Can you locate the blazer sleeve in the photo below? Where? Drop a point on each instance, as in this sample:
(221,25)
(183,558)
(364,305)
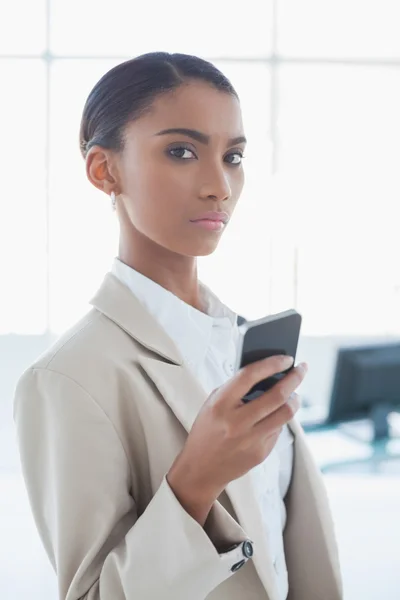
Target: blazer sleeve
(78,481)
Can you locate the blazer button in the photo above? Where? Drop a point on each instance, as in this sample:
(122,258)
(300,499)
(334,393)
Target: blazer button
(247,549)
(237,566)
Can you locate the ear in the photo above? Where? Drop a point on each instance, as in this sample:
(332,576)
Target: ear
(101,170)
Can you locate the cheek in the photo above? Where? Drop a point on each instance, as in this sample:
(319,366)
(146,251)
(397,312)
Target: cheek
(158,194)
(239,182)
(236,183)
(154,171)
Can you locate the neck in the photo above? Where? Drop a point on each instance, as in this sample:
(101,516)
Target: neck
(174,272)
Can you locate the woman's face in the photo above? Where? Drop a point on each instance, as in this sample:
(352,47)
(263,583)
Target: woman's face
(168,179)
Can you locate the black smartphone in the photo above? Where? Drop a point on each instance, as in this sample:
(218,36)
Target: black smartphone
(268,336)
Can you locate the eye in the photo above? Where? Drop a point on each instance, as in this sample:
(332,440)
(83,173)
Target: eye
(182,153)
(234,158)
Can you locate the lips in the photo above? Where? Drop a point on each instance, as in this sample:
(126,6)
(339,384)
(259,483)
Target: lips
(220,216)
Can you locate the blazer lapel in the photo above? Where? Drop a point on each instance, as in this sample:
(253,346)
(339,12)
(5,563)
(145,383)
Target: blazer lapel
(185,396)
(117,302)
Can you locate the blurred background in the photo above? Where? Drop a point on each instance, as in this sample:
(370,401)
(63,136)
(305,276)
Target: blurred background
(316,228)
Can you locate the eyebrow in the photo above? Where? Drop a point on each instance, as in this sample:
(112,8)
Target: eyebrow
(200,137)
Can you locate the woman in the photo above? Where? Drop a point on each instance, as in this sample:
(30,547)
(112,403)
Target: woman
(148,477)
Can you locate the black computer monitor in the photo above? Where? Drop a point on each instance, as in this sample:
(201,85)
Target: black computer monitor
(366,386)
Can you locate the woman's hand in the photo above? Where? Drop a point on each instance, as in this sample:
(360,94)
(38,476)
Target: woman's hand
(229,437)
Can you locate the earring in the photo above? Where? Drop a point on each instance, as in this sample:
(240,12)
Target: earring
(113,200)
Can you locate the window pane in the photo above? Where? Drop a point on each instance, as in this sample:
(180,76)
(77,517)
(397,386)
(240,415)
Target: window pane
(339,132)
(341,117)
(22,199)
(22,26)
(239,269)
(82,225)
(207,28)
(339,28)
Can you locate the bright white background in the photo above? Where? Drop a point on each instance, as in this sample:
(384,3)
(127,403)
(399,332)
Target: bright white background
(316,228)
(317,224)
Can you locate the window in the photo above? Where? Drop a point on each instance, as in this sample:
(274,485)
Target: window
(316,225)
(23,201)
(207,28)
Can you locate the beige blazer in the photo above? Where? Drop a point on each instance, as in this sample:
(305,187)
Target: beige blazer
(100,418)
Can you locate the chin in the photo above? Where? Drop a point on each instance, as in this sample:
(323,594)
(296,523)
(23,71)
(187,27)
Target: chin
(203,248)
(196,249)
(205,252)
(189,244)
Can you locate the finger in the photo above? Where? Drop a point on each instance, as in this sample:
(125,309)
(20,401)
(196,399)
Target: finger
(291,382)
(239,385)
(275,421)
(271,401)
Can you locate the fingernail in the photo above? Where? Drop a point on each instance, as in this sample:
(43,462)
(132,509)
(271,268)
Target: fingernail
(303,367)
(288,361)
(294,401)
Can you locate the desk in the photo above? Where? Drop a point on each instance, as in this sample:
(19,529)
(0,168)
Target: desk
(349,447)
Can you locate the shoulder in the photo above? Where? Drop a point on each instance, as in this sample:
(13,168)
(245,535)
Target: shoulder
(91,354)
(93,337)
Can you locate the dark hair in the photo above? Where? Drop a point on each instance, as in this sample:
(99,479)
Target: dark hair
(128,90)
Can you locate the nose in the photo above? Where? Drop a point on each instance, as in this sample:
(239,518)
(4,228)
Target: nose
(216,185)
